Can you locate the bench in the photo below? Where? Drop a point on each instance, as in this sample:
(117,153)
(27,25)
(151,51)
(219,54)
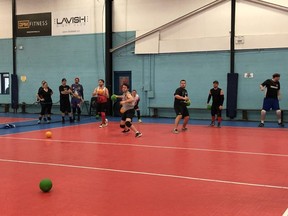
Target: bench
(244,112)
(156,108)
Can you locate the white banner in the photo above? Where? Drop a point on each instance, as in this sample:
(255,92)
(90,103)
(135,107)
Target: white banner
(72,22)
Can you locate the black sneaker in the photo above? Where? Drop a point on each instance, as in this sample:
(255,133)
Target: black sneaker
(212,124)
(219,125)
(125,131)
(280,124)
(138,134)
(261,125)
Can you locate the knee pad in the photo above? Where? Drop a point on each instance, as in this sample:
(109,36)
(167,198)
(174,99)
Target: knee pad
(122,126)
(128,124)
(263,111)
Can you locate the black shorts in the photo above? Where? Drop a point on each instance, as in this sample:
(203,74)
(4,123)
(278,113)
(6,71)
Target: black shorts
(128,114)
(181,110)
(46,108)
(65,107)
(215,110)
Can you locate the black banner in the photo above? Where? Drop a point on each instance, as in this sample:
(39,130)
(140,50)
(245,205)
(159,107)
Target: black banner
(29,25)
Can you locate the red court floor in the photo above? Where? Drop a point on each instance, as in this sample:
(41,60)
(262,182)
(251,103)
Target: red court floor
(231,171)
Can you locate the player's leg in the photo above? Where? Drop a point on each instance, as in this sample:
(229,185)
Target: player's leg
(186,118)
(78,110)
(122,123)
(62,109)
(74,105)
(102,110)
(213,115)
(178,111)
(138,115)
(275,106)
(48,110)
(266,107)
(42,112)
(219,117)
(128,122)
(68,108)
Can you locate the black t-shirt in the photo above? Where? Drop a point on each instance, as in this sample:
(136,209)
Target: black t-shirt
(46,95)
(181,92)
(64,97)
(272,88)
(217,98)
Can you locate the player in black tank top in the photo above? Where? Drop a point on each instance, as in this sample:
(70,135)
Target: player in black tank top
(217,96)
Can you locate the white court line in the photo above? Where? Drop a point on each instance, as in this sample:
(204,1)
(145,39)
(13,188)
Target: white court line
(285,213)
(151,146)
(147,173)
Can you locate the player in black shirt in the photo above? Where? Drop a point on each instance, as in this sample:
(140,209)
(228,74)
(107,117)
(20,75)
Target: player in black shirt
(217,96)
(44,96)
(180,99)
(65,106)
(271,100)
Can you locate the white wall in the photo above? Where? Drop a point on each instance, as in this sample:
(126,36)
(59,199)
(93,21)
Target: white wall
(5,19)
(259,26)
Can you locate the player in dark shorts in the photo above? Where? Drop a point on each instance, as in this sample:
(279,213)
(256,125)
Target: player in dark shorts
(44,96)
(127,111)
(271,100)
(65,106)
(102,95)
(180,107)
(77,98)
(217,96)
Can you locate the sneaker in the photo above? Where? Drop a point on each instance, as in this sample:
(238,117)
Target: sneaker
(280,124)
(48,121)
(125,131)
(184,129)
(212,124)
(261,125)
(175,131)
(139,120)
(45,119)
(219,125)
(39,122)
(138,134)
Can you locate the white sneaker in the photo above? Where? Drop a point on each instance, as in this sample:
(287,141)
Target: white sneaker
(139,120)
(104,125)
(175,131)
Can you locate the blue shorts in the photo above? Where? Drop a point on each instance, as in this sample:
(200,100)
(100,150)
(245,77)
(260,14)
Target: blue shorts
(270,103)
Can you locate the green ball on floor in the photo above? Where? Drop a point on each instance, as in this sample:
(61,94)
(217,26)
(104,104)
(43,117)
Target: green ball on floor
(45,185)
